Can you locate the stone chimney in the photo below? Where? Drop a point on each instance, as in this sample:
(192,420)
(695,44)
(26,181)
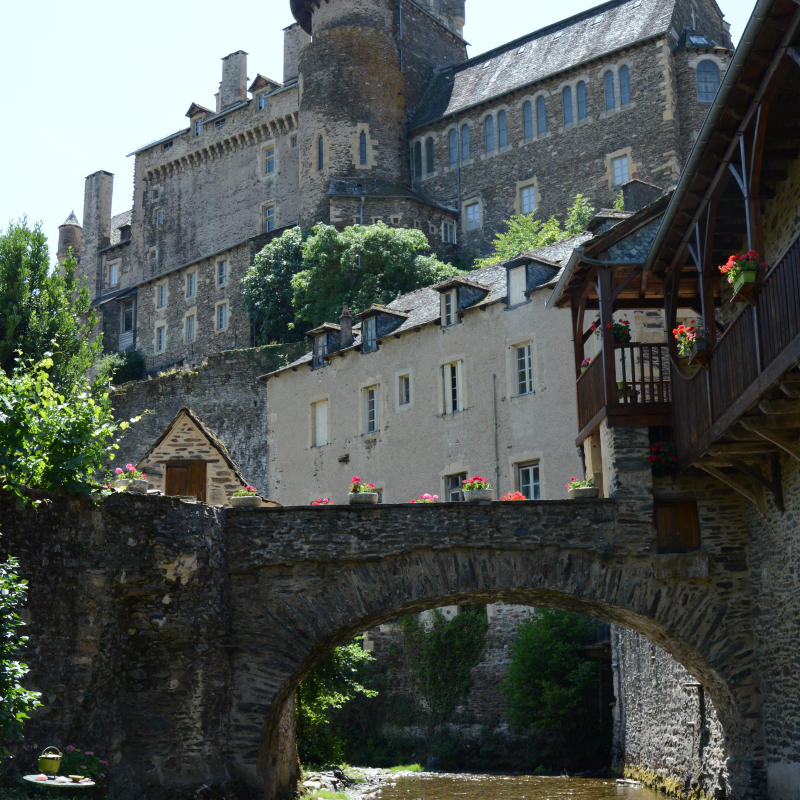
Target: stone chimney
(345,328)
(96,227)
(233,87)
(294,40)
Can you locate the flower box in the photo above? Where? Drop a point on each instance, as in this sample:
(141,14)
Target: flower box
(362,498)
(584,493)
(246,501)
(121,484)
(699,352)
(478,495)
(745,276)
(138,486)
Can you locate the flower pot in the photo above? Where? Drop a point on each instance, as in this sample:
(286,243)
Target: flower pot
(138,486)
(583,369)
(686,368)
(362,498)
(121,484)
(584,493)
(477,495)
(699,352)
(246,501)
(745,276)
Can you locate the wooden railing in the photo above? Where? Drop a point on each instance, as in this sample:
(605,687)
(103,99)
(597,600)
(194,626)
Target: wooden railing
(591,392)
(756,344)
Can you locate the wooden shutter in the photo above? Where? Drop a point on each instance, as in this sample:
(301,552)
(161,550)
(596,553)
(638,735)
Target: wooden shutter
(459,404)
(516,292)
(321,423)
(186,479)
(678,525)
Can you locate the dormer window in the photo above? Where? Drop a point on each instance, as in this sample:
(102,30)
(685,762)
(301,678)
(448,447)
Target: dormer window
(369,334)
(449,308)
(320,349)
(198,127)
(516,286)
(167,145)
(262,102)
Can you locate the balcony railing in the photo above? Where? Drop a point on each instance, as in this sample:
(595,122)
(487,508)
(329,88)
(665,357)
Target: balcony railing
(760,344)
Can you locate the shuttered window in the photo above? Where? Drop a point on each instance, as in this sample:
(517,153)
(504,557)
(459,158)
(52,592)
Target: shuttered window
(321,423)
(517,286)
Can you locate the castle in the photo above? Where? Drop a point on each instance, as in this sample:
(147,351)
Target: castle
(383,117)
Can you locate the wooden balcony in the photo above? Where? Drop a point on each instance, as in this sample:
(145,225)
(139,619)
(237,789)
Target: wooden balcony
(633,388)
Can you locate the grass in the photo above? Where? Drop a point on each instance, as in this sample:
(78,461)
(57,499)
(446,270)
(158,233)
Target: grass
(407,768)
(324,794)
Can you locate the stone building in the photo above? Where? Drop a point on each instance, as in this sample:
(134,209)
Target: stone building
(382,117)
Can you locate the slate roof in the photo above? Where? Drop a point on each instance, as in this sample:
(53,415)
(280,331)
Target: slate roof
(380,187)
(71,220)
(548,51)
(118,221)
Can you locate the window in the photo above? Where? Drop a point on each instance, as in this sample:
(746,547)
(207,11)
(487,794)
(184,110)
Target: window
(452,487)
(269,162)
(517,284)
(502,131)
(190,328)
(222,273)
(222,316)
(262,102)
(159,218)
(609,84)
(429,154)
(294,141)
(528,481)
(320,349)
(161,338)
(707,81)
(583,107)
(453,146)
(320,423)
(620,169)
(219,123)
(473,216)
(489,125)
(161,295)
(320,154)
(541,117)
(524,365)
(198,127)
(156,194)
(449,232)
(127,316)
(624,86)
(269,219)
(167,145)
(404,390)
(465,143)
(449,307)
(371,409)
(566,100)
(191,284)
(453,393)
(113,275)
(418,160)
(677,525)
(369,334)
(527,196)
(362,148)
(527,121)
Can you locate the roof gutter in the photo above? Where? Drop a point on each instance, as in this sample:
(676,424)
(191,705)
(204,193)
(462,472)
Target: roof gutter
(740,56)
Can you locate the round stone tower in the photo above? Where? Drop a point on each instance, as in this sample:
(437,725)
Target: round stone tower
(69,235)
(352,122)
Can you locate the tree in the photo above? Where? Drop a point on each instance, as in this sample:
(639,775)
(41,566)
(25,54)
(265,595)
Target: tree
(41,311)
(551,687)
(336,680)
(578,216)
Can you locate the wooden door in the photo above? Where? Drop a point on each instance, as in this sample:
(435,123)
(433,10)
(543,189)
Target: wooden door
(186,479)
(678,525)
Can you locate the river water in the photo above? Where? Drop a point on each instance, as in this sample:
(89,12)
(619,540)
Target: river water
(505,787)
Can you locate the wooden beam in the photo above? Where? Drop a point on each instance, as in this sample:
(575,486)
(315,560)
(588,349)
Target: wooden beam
(765,433)
(779,407)
(794,54)
(629,278)
(789,390)
(747,447)
(606,319)
(735,485)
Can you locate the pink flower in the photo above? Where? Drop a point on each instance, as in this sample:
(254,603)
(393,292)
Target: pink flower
(413,501)
(144,477)
(83,766)
(130,468)
(436,497)
(356,479)
(104,763)
(102,775)
(88,753)
(118,471)
(250,488)
(69,748)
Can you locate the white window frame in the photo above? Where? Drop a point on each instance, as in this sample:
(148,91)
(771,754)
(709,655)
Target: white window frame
(448,232)
(269,161)
(161,338)
(369,334)
(159,218)
(221,309)
(527,193)
(161,295)
(614,163)
(371,410)
(449,307)
(191,284)
(190,327)
(529,484)
(517,285)
(268,217)
(198,127)
(262,101)
(453,386)
(222,272)
(450,483)
(472,213)
(113,274)
(404,390)
(124,308)
(523,368)
(319,416)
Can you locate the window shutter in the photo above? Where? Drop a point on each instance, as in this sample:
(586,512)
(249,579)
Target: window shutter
(518,285)
(321,423)
(459,388)
(530,368)
(443,308)
(448,400)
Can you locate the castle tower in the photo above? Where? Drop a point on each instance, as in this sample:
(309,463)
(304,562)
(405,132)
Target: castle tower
(69,235)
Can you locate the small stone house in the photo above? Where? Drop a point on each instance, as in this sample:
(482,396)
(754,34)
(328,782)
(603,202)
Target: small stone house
(188,460)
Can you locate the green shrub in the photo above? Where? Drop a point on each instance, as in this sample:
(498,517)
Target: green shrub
(130,367)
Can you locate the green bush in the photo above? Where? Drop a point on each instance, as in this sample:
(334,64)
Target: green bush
(130,366)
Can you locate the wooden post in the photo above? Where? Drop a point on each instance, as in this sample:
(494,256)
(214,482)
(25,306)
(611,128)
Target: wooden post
(756,232)
(606,319)
(578,313)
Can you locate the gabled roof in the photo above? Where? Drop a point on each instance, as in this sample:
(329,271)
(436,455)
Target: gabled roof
(324,328)
(548,51)
(71,220)
(196,108)
(377,308)
(381,187)
(261,82)
(207,433)
(117,222)
(457,280)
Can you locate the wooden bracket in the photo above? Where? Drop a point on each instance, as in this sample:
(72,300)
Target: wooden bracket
(628,279)
(772,485)
(756,498)
(765,433)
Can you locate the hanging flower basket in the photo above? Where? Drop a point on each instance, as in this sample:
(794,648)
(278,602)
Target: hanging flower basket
(743,271)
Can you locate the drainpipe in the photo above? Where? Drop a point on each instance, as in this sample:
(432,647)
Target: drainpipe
(361,222)
(458,165)
(496,446)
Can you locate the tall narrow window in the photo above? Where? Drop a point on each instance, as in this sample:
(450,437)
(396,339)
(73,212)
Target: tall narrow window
(608,79)
(624,86)
(362,149)
(370,334)
(465,143)
(113,275)
(127,316)
(404,390)
(448,232)
(161,339)
(191,284)
(371,410)
(473,211)
(159,218)
(222,273)
(541,117)
(527,120)
(222,316)
(527,198)
(418,159)
(162,295)
(449,307)
(583,106)
(320,154)
(429,154)
(528,481)
(198,127)
(262,102)
(453,393)
(489,125)
(453,486)
(566,100)
(190,328)
(502,130)
(321,423)
(707,81)
(269,219)
(620,170)
(517,285)
(269,162)
(320,350)
(453,146)
(524,369)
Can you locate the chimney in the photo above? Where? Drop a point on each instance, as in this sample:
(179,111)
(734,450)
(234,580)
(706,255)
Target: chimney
(233,87)
(294,40)
(96,227)
(345,328)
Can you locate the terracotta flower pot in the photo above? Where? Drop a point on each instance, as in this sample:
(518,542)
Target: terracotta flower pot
(476,495)
(246,501)
(584,493)
(362,498)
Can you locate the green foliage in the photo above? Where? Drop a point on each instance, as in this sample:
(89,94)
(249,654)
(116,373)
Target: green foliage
(125,367)
(336,680)
(442,654)
(579,214)
(619,202)
(83,762)
(549,686)
(15,701)
(52,440)
(407,768)
(41,310)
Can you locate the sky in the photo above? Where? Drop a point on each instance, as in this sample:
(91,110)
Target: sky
(87,82)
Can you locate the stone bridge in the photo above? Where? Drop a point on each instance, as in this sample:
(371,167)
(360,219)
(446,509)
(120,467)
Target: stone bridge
(172,635)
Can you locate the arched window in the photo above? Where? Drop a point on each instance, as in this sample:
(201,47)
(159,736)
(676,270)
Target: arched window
(320,153)
(541,117)
(609,82)
(566,99)
(489,125)
(624,86)
(453,146)
(362,146)
(527,120)
(465,143)
(429,154)
(502,131)
(707,81)
(583,106)
(418,159)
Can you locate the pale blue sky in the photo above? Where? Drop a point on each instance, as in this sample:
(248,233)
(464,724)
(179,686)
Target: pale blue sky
(87,82)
